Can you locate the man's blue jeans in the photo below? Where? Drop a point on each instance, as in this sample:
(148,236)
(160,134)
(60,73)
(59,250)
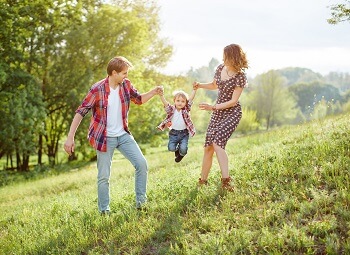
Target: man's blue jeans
(178,140)
(131,151)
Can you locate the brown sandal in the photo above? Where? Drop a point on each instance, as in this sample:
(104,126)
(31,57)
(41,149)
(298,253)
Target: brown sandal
(226,184)
(202,182)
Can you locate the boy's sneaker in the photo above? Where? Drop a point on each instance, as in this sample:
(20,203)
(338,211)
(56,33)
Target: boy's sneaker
(179,158)
(177,153)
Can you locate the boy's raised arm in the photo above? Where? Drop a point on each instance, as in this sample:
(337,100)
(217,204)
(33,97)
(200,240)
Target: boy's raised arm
(165,103)
(193,94)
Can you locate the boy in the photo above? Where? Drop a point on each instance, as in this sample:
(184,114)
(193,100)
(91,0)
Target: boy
(179,122)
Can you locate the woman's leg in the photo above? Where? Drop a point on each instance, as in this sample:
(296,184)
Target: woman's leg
(207,161)
(222,159)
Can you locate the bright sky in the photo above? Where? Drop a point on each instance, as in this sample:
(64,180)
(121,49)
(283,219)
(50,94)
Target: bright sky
(274,33)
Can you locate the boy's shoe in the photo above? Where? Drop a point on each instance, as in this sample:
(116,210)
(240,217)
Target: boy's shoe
(179,158)
(177,153)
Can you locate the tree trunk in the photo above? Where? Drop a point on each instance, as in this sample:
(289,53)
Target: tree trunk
(25,163)
(40,149)
(267,122)
(18,159)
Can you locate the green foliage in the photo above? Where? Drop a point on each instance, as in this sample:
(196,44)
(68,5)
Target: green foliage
(340,12)
(65,46)
(271,99)
(298,75)
(346,107)
(339,80)
(308,95)
(291,197)
(23,111)
(248,122)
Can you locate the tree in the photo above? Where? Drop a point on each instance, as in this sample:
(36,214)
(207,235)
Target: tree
(309,94)
(62,47)
(340,13)
(339,80)
(22,107)
(272,100)
(298,74)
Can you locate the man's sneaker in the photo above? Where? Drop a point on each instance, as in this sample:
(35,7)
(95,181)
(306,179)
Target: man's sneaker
(105,213)
(179,158)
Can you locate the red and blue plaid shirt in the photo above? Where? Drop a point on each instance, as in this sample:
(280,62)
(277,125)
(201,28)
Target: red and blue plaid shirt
(97,101)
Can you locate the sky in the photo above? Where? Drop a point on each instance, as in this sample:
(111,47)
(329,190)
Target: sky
(274,34)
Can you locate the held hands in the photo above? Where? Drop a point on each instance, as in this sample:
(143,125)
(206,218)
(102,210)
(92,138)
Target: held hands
(160,90)
(195,85)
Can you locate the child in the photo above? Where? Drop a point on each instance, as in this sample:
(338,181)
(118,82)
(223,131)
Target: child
(179,122)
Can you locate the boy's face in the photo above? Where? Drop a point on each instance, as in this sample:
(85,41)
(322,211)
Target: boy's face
(180,102)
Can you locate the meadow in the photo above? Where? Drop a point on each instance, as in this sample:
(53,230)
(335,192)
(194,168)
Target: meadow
(291,197)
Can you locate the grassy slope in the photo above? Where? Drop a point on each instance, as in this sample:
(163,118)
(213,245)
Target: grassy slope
(292,197)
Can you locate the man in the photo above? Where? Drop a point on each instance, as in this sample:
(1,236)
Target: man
(109,100)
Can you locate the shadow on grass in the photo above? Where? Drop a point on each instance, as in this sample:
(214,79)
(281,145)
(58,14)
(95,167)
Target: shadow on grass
(171,235)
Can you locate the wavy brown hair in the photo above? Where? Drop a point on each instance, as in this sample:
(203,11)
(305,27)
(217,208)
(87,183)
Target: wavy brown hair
(235,57)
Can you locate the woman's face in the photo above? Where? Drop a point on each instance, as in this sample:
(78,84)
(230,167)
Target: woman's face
(225,60)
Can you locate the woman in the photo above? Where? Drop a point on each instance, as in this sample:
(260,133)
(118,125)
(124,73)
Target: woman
(230,80)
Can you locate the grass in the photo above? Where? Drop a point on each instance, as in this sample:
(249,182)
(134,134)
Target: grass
(292,197)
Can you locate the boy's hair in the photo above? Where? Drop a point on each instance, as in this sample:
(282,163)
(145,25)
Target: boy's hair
(180,93)
(118,64)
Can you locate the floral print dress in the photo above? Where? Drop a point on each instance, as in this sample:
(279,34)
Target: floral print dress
(224,122)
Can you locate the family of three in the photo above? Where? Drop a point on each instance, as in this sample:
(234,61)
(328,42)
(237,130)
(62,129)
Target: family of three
(109,102)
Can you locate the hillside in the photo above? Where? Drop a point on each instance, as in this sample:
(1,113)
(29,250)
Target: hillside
(292,197)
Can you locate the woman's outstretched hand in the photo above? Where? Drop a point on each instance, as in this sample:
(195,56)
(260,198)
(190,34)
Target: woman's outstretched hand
(205,106)
(195,85)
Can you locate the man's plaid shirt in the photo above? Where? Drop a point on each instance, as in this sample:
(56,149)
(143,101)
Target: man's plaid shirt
(97,101)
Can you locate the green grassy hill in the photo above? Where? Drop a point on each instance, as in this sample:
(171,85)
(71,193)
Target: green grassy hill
(291,197)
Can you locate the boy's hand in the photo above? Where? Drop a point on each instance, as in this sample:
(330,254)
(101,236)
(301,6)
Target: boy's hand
(168,125)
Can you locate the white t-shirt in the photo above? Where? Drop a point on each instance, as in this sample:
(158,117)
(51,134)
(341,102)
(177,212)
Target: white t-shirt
(114,114)
(177,121)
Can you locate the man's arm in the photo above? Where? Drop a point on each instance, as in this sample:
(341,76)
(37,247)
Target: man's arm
(148,95)
(69,144)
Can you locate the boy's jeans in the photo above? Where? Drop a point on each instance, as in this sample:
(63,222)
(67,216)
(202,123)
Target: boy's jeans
(131,151)
(178,140)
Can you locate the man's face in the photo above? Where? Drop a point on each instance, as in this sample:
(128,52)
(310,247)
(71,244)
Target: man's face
(119,77)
